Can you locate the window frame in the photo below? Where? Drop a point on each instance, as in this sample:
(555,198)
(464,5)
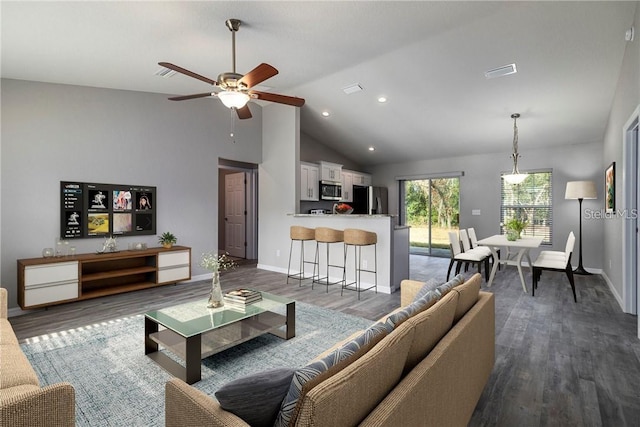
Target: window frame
(542,223)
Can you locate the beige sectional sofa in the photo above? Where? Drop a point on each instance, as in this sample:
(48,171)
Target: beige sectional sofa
(23,403)
(429,370)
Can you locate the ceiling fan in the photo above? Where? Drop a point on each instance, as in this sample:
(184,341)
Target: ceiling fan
(236,88)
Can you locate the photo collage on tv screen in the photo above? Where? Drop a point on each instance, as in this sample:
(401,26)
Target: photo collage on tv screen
(94,210)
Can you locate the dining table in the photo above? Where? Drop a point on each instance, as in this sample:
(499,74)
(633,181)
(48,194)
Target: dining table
(515,251)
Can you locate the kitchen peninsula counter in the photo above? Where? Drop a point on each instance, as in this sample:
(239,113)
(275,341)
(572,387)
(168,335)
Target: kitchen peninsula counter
(392,248)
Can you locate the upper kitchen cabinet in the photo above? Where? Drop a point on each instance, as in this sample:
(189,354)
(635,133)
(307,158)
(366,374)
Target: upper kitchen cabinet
(347,186)
(362,179)
(309,182)
(330,172)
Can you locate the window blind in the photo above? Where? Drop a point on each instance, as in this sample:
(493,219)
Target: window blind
(532,200)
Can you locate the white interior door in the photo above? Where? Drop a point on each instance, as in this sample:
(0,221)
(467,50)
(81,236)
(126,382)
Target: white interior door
(235,215)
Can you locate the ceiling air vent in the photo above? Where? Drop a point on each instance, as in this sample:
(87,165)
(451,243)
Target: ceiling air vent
(501,71)
(165,72)
(353,88)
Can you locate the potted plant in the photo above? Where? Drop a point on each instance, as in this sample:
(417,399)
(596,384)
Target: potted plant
(514,228)
(167,239)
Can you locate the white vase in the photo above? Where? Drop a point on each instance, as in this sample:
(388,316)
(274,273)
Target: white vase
(215,297)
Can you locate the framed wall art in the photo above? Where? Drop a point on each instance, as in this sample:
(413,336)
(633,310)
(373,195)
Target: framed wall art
(610,188)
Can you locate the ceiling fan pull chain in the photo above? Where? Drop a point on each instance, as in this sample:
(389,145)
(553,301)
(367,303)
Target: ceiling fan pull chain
(232,134)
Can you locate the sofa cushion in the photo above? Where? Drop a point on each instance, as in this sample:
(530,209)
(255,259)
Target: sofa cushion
(346,398)
(7,336)
(430,285)
(15,367)
(468,295)
(427,300)
(430,326)
(256,398)
(306,378)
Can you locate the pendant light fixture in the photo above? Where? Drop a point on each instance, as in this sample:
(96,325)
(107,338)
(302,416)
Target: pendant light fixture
(515,177)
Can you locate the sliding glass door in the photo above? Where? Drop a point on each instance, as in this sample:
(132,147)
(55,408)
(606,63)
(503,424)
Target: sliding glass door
(432,208)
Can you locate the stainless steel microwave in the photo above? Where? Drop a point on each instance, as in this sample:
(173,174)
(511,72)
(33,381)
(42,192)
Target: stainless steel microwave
(330,190)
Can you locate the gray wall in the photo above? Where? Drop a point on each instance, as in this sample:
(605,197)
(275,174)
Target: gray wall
(52,133)
(626,100)
(313,151)
(480,189)
(279,184)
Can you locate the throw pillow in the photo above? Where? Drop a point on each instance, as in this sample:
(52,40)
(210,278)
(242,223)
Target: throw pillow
(430,285)
(256,398)
(446,287)
(306,378)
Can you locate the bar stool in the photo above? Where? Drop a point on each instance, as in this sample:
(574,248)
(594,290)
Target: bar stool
(302,235)
(328,236)
(358,239)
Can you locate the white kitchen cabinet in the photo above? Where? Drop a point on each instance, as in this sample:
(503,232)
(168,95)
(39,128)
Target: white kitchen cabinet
(330,172)
(362,179)
(347,186)
(309,182)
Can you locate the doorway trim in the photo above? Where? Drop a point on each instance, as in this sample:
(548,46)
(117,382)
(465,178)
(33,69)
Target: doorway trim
(630,294)
(251,202)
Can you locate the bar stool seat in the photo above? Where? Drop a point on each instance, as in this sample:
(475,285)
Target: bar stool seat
(301,234)
(327,236)
(358,239)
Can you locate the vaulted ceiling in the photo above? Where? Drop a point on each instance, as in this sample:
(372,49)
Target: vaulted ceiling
(427,58)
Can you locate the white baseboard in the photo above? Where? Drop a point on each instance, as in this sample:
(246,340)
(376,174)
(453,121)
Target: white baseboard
(613,290)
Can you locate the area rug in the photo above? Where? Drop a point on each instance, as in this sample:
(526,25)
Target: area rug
(117,385)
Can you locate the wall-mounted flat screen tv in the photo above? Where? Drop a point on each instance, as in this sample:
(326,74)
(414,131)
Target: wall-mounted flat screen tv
(100,210)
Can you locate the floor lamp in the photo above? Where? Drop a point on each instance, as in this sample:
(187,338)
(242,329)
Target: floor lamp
(580,190)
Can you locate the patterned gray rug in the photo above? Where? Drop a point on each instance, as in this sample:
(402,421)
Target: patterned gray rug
(117,385)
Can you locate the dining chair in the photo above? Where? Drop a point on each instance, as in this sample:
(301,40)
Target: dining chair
(555,261)
(472,256)
(473,238)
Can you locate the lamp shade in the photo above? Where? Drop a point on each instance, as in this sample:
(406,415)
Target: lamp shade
(581,190)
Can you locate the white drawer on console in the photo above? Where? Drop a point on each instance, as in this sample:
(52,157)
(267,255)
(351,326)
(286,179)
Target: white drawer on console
(45,294)
(170,259)
(173,274)
(50,273)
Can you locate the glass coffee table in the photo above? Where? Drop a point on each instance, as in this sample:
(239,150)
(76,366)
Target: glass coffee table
(193,332)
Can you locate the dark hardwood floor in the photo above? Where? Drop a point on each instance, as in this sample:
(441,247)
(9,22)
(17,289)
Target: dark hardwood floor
(558,363)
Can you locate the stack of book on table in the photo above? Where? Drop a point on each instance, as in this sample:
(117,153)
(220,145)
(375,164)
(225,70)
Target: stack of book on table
(239,298)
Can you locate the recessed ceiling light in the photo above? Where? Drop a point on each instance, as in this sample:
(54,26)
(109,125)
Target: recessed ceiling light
(325,114)
(382,99)
(372,148)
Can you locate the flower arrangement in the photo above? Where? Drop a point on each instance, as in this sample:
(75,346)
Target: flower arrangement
(216,263)
(514,227)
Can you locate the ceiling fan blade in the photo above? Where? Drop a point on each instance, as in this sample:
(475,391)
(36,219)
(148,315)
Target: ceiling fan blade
(185,97)
(187,72)
(259,74)
(244,112)
(280,99)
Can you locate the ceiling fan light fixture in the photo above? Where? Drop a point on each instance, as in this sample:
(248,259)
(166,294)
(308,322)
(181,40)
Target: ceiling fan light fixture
(233,99)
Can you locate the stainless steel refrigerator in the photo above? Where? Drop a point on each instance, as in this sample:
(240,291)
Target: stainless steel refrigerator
(370,200)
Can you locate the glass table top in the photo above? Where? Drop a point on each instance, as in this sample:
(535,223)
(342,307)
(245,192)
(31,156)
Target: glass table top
(194,317)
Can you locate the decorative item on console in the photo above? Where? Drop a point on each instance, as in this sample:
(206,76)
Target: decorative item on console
(109,246)
(216,263)
(167,239)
